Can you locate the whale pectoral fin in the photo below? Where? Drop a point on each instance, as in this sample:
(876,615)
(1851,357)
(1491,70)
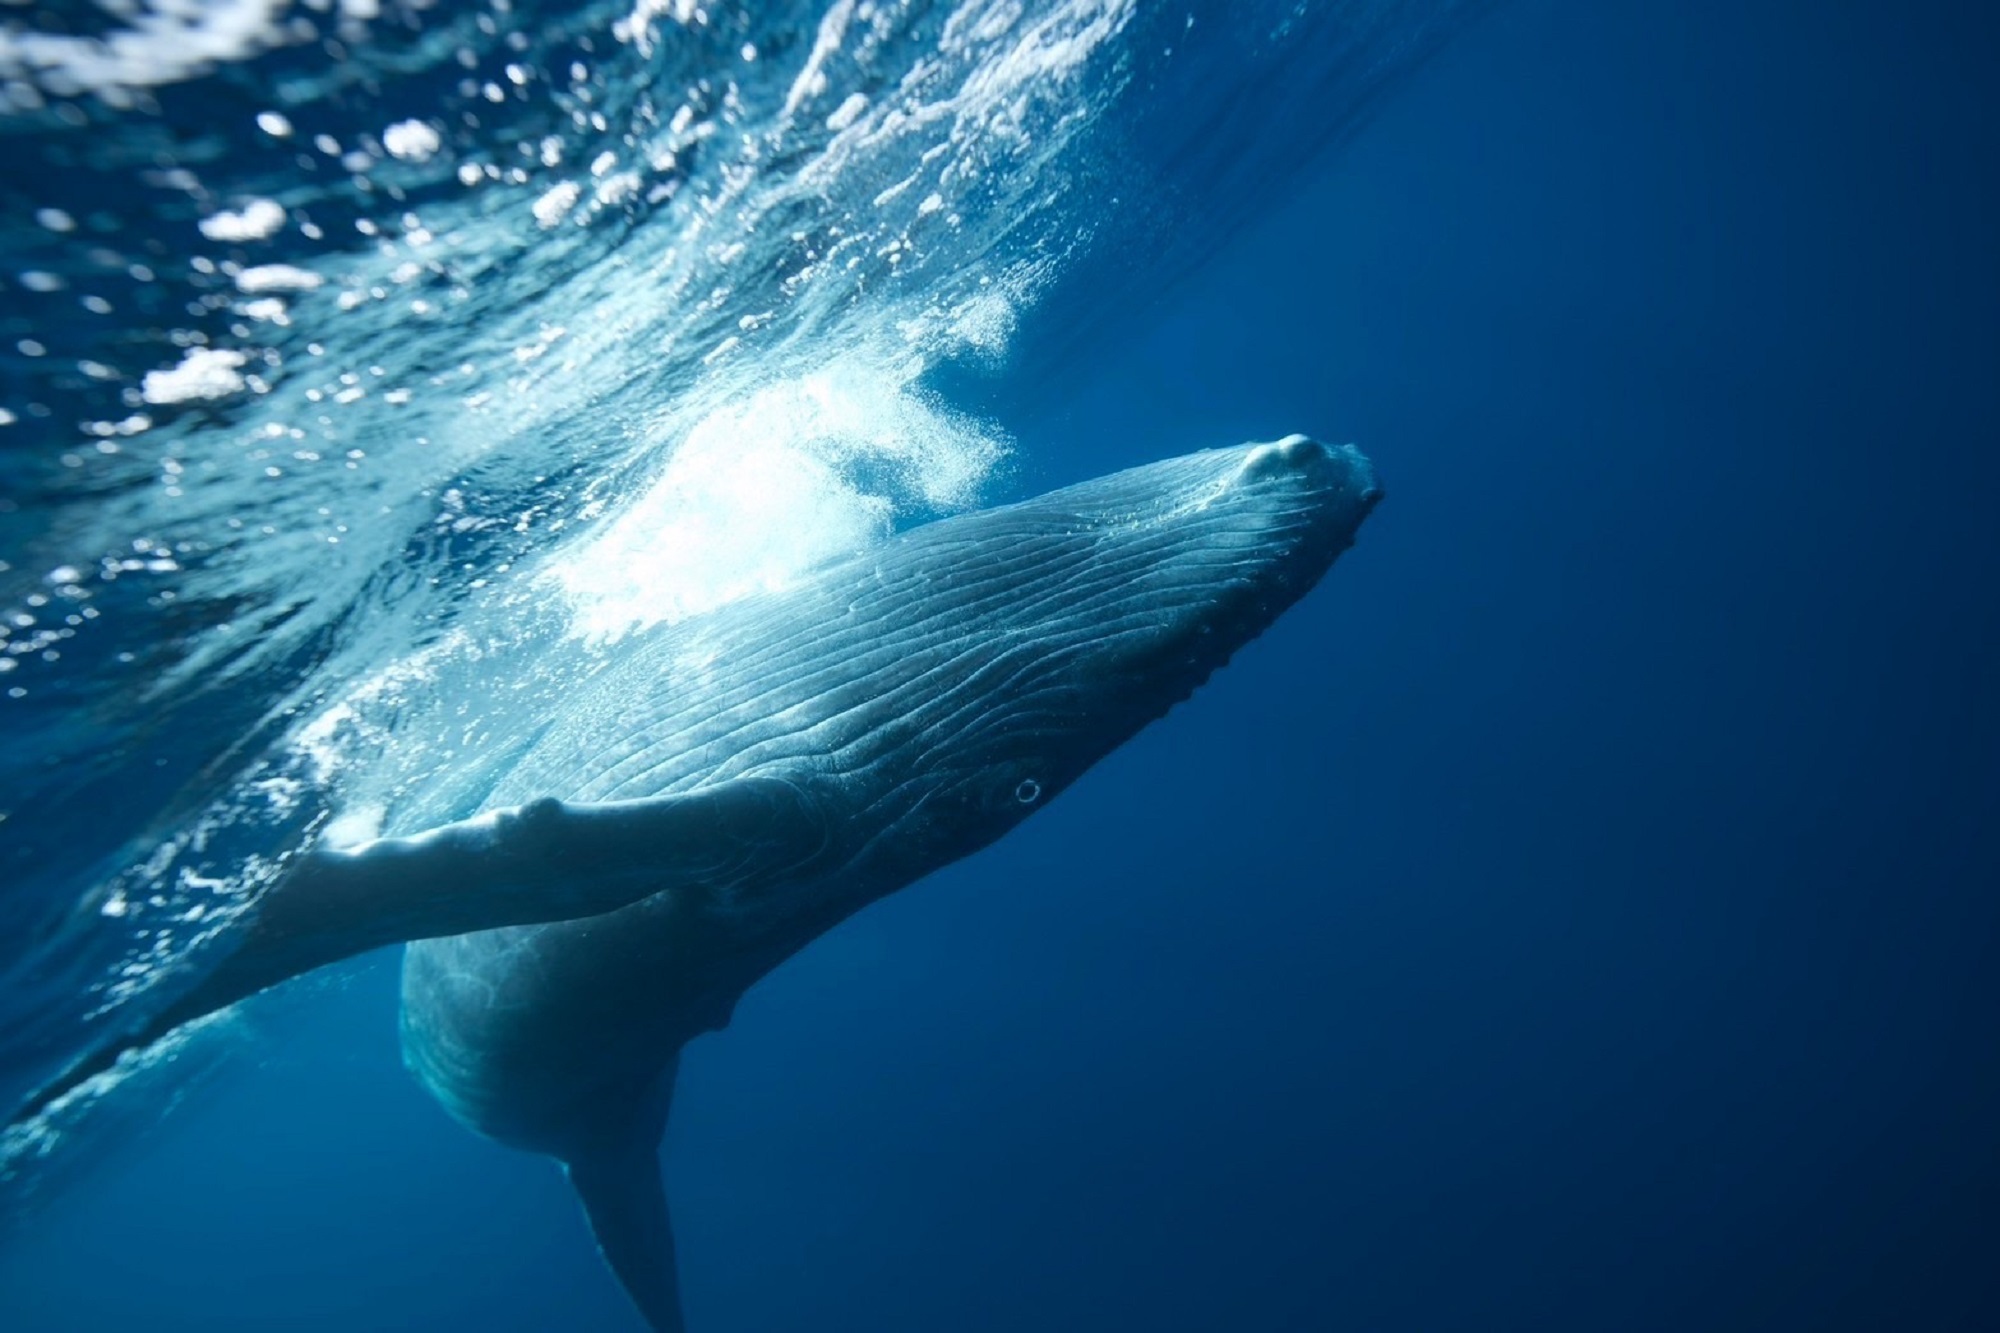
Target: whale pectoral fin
(626,1204)
(545,861)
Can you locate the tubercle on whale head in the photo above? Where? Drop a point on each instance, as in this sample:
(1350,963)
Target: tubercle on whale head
(1336,482)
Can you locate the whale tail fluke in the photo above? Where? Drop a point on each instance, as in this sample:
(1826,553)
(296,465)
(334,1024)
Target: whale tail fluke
(625,1202)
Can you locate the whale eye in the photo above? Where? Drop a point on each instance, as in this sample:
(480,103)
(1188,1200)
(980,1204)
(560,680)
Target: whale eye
(1028,792)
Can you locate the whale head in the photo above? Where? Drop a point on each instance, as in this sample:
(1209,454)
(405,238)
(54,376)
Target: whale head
(1082,615)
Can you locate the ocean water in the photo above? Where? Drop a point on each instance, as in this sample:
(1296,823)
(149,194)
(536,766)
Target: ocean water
(1578,913)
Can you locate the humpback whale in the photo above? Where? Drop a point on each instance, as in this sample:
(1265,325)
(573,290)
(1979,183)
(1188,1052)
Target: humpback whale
(736,784)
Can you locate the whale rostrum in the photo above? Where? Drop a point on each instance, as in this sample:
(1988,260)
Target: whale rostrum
(734,785)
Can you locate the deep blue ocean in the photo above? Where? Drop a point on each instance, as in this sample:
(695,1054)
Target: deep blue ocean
(1581,912)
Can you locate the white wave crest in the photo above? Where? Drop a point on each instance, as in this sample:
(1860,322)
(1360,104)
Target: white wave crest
(164,41)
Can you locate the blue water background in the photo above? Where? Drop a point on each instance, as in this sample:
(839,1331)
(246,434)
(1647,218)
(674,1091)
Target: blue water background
(1579,914)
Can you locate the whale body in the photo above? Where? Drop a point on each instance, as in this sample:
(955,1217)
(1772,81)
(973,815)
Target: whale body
(737,784)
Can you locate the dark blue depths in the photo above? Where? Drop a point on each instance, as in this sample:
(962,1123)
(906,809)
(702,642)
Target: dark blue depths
(1579,914)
